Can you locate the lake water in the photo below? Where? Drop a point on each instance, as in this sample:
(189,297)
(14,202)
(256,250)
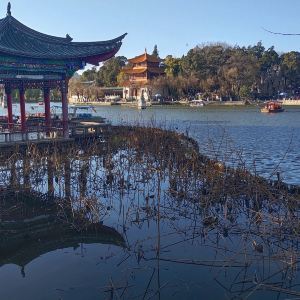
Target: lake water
(266,143)
(194,260)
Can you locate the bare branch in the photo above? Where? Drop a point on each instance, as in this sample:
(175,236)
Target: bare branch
(279,33)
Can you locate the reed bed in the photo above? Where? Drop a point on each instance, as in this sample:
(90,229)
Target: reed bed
(154,182)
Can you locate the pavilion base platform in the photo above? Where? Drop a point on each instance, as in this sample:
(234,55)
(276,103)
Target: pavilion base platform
(79,131)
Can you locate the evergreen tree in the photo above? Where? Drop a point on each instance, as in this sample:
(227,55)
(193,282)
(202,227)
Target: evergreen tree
(155,51)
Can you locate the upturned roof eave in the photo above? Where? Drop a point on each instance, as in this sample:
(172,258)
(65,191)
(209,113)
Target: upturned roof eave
(13,22)
(46,56)
(144,58)
(54,48)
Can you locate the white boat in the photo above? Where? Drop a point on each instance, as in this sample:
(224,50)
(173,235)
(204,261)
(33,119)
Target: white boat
(197,103)
(74,111)
(81,111)
(112,98)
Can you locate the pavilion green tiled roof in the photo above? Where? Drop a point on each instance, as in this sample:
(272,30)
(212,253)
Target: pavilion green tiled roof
(16,39)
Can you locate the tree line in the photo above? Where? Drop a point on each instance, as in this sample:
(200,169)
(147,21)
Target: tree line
(217,71)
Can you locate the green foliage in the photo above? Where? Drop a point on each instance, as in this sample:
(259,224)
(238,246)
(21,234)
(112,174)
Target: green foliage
(33,94)
(89,75)
(108,73)
(55,95)
(245,92)
(218,70)
(172,66)
(15,95)
(121,78)
(155,51)
(228,72)
(241,69)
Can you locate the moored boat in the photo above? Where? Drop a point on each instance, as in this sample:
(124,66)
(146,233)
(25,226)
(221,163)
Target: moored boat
(272,107)
(197,103)
(81,111)
(74,112)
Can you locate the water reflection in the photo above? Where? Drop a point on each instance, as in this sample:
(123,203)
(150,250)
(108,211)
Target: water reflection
(31,228)
(177,224)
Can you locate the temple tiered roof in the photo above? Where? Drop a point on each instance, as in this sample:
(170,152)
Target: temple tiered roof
(143,68)
(139,70)
(144,58)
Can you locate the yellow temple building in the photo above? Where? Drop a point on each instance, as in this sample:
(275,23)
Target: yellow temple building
(142,69)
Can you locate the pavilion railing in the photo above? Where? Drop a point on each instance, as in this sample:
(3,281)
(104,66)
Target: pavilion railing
(12,132)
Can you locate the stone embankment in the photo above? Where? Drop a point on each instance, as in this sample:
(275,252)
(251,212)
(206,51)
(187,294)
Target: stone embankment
(291,102)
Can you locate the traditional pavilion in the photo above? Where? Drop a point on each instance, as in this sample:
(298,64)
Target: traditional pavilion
(30,59)
(142,69)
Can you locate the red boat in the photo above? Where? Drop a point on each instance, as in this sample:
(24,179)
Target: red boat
(272,107)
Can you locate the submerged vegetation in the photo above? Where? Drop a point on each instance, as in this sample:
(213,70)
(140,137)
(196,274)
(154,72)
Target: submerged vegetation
(173,213)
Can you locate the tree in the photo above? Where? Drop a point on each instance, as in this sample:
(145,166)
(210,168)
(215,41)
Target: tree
(89,75)
(269,82)
(245,92)
(55,95)
(172,66)
(108,73)
(241,69)
(155,51)
(121,78)
(217,70)
(257,50)
(290,68)
(33,94)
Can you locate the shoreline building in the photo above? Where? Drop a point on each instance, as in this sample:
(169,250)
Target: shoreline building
(102,95)
(140,71)
(33,60)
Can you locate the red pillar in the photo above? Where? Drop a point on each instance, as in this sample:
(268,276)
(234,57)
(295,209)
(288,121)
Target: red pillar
(9,106)
(22,109)
(47,108)
(64,102)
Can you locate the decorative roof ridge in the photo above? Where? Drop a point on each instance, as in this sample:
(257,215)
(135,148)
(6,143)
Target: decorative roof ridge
(8,9)
(14,23)
(19,40)
(9,20)
(144,57)
(115,40)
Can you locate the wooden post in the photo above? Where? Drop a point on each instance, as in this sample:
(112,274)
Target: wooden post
(64,102)
(47,109)
(8,91)
(22,109)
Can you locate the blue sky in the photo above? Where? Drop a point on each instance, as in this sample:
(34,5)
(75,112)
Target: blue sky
(174,25)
